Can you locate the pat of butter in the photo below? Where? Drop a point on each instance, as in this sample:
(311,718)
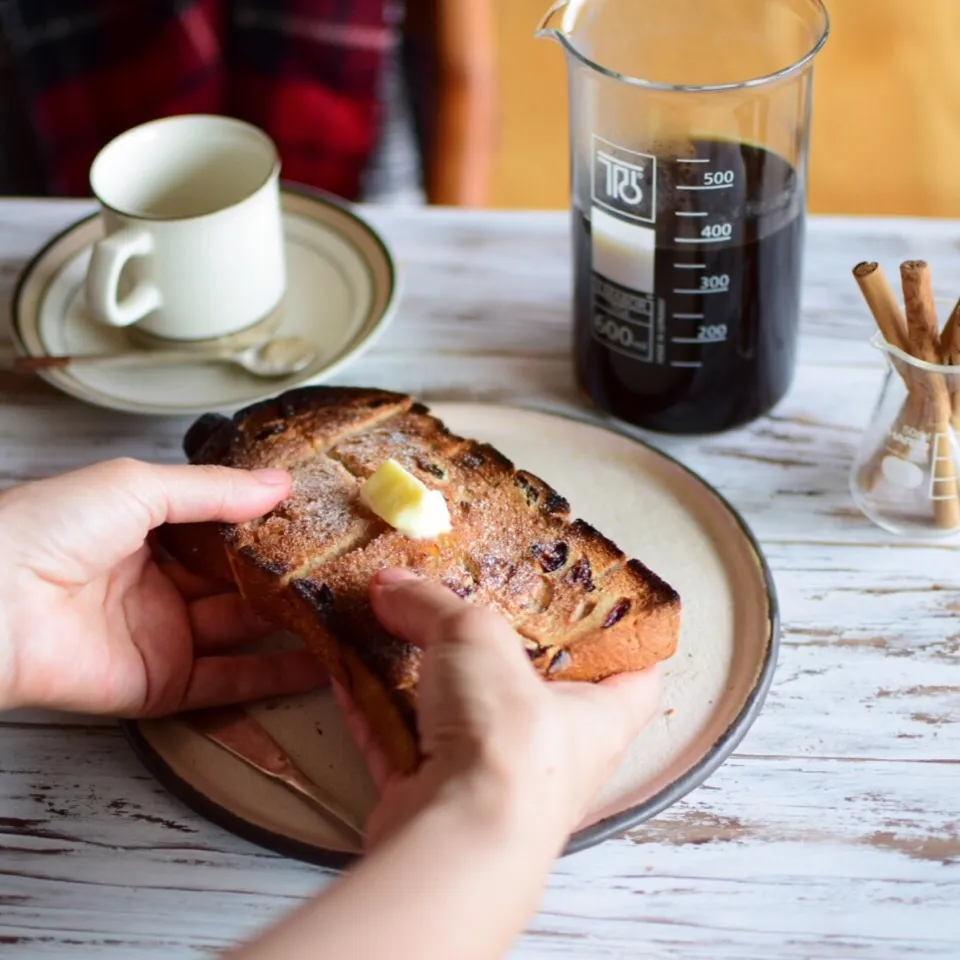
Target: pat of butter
(399,498)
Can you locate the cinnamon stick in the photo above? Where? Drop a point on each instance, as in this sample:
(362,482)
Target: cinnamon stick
(923,327)
(882,303)
(950,356)
(923,336)
(892,325)
(950,339)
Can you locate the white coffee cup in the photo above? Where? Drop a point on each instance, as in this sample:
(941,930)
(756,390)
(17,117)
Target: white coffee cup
(194,234)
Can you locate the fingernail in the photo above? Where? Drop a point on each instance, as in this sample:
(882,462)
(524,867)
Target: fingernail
(392,577)
(272,478)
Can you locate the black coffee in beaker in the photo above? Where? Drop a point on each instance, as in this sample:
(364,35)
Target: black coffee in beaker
(687,291)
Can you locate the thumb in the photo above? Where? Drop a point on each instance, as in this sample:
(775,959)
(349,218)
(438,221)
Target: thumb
(197,494)
(621,706)
(635,697)
(100,514)
(426,614)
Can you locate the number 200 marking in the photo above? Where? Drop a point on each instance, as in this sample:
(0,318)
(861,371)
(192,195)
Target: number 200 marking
(712,333)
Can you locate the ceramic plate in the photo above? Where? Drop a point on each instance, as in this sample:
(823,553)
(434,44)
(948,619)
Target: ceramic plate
(341,293)
(713,687)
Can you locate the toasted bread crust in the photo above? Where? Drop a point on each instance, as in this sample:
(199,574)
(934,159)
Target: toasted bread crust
(584,610)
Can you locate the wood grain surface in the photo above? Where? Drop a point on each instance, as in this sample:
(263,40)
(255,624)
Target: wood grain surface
(834,832)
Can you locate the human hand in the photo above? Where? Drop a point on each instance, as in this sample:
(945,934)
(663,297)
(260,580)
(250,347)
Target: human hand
(91,621)
(490,727)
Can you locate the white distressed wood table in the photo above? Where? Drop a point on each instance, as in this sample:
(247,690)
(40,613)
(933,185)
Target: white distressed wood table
(833,832)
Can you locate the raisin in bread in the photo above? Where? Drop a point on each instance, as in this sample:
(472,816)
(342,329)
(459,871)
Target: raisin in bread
(584,611)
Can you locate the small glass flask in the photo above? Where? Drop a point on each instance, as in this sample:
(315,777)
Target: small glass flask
(906,475)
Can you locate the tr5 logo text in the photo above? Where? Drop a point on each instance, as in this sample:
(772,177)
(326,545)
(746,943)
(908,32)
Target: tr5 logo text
(624,182)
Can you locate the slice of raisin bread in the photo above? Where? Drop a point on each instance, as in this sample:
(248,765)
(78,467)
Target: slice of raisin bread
(584,610)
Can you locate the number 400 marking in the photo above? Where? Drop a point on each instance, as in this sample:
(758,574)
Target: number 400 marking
(717,231)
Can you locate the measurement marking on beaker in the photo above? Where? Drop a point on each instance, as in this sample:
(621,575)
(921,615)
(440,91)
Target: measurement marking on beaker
(686,363)
(718,186)
(701,239)
(691,213)
(940,439)
(690,266)
(715,290)
(693,160)
(698,339)
(687,316)
(937,457)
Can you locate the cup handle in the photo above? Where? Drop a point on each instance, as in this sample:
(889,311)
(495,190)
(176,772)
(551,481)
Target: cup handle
(109,257)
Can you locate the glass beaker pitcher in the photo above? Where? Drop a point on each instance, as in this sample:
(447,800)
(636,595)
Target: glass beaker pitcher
(689,124)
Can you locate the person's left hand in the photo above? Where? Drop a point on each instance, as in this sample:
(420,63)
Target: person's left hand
(91,621)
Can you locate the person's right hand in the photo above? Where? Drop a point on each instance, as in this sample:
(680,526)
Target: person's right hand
(491,729)
(92,620)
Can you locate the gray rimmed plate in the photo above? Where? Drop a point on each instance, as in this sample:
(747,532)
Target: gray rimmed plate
(714,686)
(342,290)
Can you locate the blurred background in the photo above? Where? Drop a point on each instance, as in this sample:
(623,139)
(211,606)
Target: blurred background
(886,128)
(471,109)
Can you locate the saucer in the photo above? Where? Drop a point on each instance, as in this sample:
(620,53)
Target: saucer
(341,294)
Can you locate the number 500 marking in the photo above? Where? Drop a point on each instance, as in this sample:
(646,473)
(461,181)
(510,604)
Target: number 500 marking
(720,178)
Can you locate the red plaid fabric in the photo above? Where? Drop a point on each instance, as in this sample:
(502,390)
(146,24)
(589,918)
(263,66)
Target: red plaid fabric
(306,71)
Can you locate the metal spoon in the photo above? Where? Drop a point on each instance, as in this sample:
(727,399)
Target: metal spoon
(280,357)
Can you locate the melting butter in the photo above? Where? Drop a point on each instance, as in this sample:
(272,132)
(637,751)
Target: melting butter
(399,498)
